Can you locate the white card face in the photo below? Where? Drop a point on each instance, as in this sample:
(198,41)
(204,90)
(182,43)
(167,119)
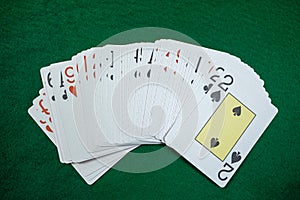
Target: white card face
(85,74)
(62,112)
(41,114)
(226,132)
(39,119)
(191,63)
(128,84)
(90,170)
(84,77)
(62,108)
(104,124)
(123,82)
(51,81)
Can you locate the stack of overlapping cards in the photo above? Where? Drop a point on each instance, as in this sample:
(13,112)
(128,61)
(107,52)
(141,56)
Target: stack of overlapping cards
(207,105)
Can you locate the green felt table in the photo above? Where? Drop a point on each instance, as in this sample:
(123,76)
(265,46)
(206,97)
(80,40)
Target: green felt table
(264,34)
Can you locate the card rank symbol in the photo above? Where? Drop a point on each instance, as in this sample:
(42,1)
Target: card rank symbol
(214,142)
(237,111)
(235,157)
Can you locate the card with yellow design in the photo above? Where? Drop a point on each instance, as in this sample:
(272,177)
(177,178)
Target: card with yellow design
(225,127)
(222,130)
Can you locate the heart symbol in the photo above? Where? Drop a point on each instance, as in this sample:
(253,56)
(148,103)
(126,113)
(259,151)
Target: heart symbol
(49,129)
(215,96)
(72,89)
(214,142)
(237,111)
(235,157)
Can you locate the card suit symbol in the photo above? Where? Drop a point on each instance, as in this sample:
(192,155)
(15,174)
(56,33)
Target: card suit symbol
(206,88)
(65,96)
(178,53)
(73,91)
(237,111)
(49,129)
(215,96)
(149,73)
(235,157)
(168,54)
(214,142)
(165,69)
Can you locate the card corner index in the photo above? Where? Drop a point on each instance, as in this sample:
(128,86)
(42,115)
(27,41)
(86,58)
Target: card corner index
(225,127)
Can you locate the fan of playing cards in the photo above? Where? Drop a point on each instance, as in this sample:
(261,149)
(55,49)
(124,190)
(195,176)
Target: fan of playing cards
(207,105)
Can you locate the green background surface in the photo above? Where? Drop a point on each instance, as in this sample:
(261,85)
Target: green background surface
(37,33)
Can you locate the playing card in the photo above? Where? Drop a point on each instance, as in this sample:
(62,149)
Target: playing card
(103,124)
(63,113)
(190,63)
(90,170)
(226,132)
(41,115)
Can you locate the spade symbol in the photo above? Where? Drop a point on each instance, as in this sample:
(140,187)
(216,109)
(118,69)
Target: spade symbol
(215,96)
(137,74)
(235,157)
(65,96)
(148,73)
(206,88)
(214,142)
(237,111)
